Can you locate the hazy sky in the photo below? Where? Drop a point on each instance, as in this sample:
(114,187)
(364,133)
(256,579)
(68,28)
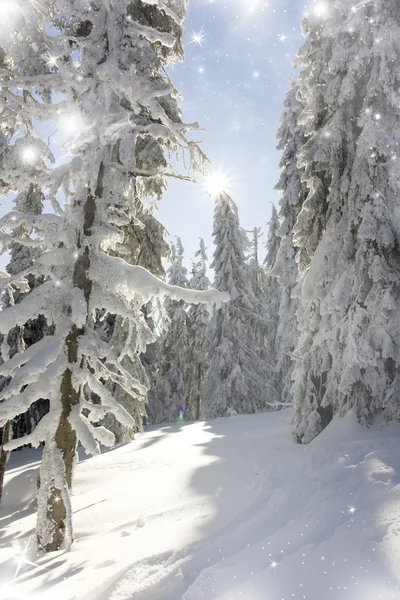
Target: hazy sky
(233,84)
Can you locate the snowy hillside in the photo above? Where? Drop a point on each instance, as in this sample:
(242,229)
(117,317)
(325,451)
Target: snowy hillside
(229,510)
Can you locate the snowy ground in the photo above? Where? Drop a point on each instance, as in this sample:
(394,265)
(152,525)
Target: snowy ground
(227,510)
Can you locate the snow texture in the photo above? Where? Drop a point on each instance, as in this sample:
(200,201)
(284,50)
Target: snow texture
(244,513)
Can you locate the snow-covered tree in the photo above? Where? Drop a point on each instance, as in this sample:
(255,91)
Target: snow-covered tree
(29,199)
(199,318)
(263,319)
(105,69)
(236,379)
(145,245)
(171,387)
(268,298)
(148,248)
(19,338)
(289,258)
(348,227)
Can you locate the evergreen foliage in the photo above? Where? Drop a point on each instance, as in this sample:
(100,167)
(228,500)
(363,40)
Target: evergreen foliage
(199,317)
(171,382)
(105,67)
(347,229)
(290,260)
(236,380)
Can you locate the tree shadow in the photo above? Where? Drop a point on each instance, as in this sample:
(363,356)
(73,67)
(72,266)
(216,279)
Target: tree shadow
(320,519)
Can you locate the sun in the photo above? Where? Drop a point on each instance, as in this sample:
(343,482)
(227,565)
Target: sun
(216,182)
(320,9)
(8,8)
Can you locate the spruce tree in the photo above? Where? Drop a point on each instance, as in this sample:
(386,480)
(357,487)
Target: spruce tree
(104,64)
(290,260)
(270,293)
(171,387)
(29,199)
(235,380)
(199,318)
(347,228)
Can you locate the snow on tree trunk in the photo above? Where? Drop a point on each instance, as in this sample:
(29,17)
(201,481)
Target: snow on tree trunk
(236,379)
(348,226)
(96,60)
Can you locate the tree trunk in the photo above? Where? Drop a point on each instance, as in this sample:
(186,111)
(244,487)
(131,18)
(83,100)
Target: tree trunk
(4,455)
(54,508)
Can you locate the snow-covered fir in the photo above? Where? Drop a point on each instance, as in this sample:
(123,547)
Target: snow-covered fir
(268,295)
(288,259)
(348,228)
(171,389)
(236,379)
(199,317)
(94,52)
(257,426)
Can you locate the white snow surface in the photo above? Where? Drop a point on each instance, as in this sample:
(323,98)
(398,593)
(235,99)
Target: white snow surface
(229,509)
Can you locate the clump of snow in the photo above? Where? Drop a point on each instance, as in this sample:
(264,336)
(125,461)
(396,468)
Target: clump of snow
(230,509)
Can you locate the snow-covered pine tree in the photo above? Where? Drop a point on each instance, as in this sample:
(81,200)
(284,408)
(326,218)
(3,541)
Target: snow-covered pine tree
(269,293)
(348,226)
(29,199)
(262,319)
(171,387)
(145,239)
(235,380)
(100,58)
(19,338)
(199,318)
(145,245)
(289,258)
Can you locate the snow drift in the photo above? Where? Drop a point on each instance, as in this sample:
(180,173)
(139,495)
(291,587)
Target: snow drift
(229,509)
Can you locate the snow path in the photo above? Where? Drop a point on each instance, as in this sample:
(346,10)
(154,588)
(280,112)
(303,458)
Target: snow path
(226,510)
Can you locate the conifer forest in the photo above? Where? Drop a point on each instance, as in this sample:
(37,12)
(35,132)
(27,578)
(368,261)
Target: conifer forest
(200,300)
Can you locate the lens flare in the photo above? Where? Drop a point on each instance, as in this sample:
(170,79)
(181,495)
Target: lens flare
(29,155)
(320,9)
(216,182)
(8,8)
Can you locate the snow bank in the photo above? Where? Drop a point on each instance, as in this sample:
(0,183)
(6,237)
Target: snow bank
(225,510)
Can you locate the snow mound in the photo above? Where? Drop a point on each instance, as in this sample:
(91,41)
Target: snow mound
(229,509)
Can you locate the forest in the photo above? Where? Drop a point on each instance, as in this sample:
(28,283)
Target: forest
(221,418)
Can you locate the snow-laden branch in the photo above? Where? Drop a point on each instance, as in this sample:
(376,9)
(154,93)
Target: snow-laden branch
(47,382)
(116,274)
(30,369)
(15,219)
(168,11)
(41,301)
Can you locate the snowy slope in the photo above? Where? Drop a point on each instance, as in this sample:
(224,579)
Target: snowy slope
(229,510)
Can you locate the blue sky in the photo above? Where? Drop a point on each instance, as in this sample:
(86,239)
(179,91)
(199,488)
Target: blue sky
(234,84)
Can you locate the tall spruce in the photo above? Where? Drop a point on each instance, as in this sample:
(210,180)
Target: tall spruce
(29,199)
(235,380)
(290,260)
(270,293)
(348,228)
(199,317)
(104,66)
(171,387)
